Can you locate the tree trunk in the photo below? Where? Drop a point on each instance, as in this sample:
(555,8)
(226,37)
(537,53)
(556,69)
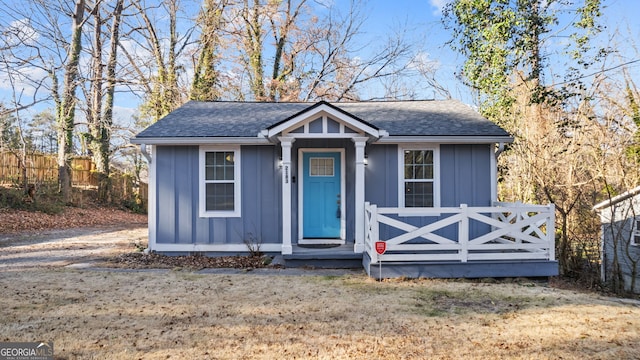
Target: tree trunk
(281,37)
(171,97)
(253,47)
(205,78)
(107,123)
(66,111)
(94,116)
(164,96)
(100,123)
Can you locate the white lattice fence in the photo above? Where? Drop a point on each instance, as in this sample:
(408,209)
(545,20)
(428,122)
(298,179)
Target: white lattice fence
(507,231)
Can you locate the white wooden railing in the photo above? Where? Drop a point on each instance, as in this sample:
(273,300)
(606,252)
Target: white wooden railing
(513,231)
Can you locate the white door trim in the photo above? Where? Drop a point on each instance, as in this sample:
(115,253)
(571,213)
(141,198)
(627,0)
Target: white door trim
(343,200)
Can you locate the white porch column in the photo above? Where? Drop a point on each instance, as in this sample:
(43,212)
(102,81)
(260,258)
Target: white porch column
(151,195)
(493,160)
(286,143)
(360,143)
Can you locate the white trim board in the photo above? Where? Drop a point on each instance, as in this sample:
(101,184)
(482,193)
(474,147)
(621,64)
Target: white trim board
(202,141)
(321,242)
(237,182)
(444,139)
(152,193)
(241,248)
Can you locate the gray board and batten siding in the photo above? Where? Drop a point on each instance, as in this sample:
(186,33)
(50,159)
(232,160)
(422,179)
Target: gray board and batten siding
(464,178)
(618,218)
(178,220)
(624,251)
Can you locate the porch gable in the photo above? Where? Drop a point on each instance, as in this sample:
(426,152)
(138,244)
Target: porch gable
(323,120)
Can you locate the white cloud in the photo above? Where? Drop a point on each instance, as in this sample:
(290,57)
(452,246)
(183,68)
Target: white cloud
(423,63)
(123,116)
(20,32)
(23,80)
(439,5)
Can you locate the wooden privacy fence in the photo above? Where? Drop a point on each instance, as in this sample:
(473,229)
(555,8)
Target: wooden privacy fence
(43,168)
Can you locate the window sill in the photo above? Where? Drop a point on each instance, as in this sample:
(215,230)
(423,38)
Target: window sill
(220,214)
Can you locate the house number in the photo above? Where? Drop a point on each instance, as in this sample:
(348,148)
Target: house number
(286,174)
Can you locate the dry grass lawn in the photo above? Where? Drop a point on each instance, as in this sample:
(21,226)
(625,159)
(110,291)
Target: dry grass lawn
(183,315)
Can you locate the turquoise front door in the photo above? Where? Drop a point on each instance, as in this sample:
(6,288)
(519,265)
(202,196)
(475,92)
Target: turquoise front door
(322,197)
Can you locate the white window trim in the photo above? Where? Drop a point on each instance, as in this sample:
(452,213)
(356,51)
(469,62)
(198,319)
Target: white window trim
(436,172)
(236,183)
(635,232)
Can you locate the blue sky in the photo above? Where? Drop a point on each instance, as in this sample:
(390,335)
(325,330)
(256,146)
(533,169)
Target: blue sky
(421,19)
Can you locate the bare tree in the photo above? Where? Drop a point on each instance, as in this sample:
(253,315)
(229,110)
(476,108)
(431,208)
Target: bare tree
(619,172)
(14,136)
(159,77)
(206,83)
(66,102)
(50,50)
(19,145)
(315,55)
(100,97)
(339,73)
(253,46)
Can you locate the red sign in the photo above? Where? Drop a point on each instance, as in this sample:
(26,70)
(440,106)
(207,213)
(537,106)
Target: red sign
(381,247)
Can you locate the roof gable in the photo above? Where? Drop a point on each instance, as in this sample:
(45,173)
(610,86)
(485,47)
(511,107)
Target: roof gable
(323,114)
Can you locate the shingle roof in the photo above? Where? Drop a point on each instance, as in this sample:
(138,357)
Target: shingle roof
(247,119)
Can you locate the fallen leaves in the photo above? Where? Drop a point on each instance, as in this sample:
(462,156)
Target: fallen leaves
(14,221)
(193,262)
(174,314)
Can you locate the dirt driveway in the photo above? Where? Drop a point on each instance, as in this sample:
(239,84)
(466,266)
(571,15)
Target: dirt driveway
(77,247)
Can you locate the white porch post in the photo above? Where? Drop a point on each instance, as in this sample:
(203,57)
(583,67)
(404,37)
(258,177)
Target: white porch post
(493,161)
(151,195)
(286,143)
(360,143)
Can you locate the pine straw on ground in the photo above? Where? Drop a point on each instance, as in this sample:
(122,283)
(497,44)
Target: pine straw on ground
(177,314)
(16,221)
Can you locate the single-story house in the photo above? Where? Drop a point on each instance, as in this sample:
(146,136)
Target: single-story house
(326,181)
(620,240)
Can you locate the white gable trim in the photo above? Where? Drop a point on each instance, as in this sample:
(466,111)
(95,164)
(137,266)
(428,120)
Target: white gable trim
(324,110)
